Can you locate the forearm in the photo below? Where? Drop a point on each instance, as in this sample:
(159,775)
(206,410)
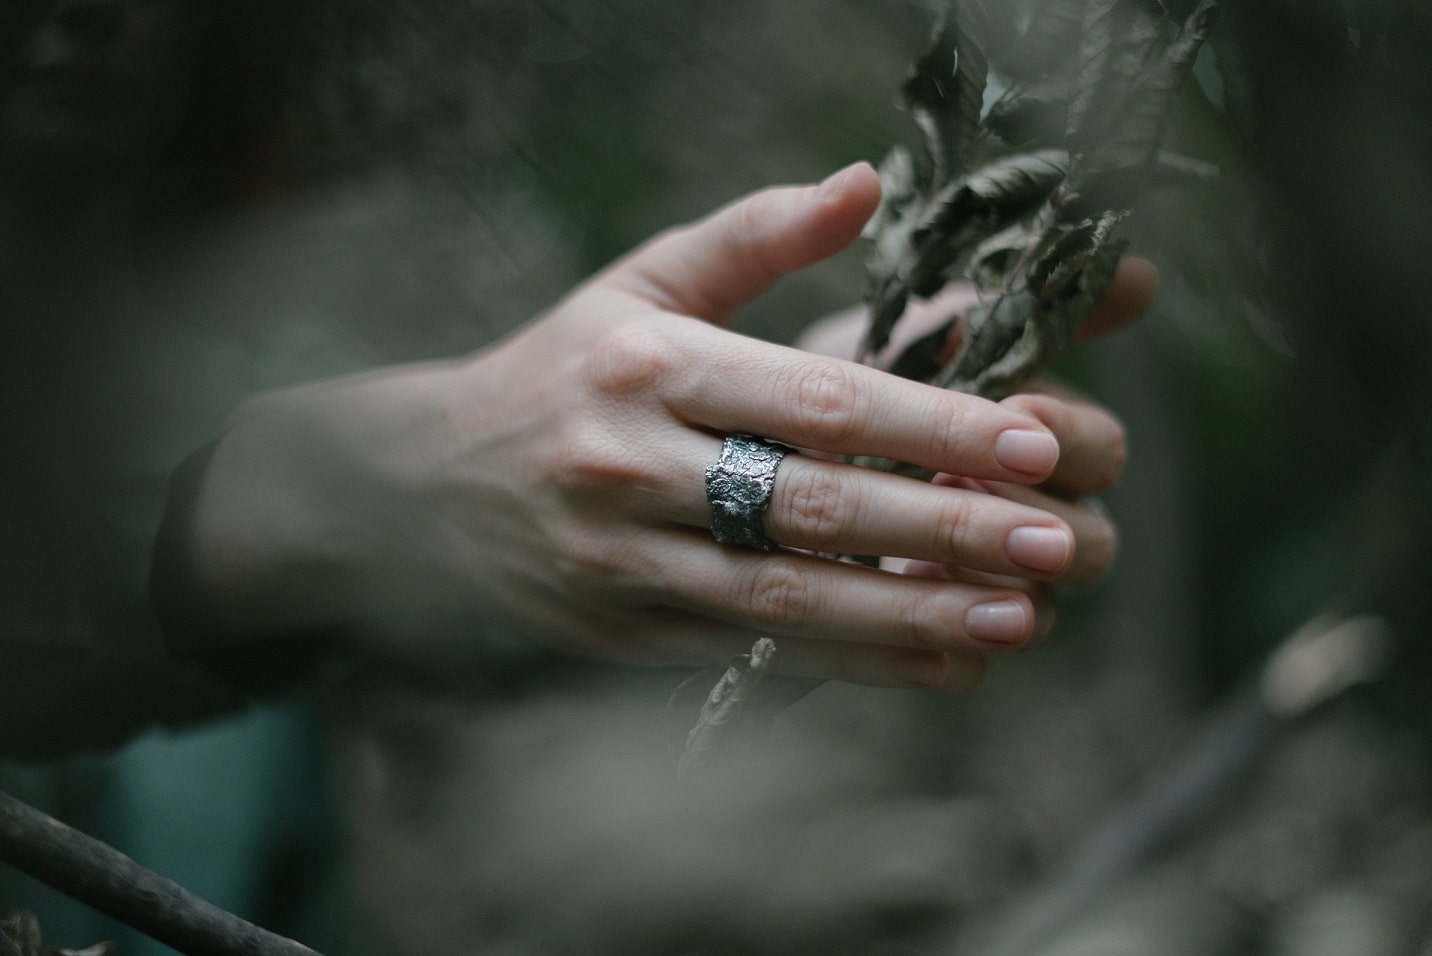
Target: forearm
(300,516)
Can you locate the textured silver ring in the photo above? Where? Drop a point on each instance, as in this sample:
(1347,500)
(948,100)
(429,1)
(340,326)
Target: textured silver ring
(739,486)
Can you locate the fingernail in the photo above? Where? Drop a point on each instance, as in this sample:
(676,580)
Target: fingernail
(1001,623)
(1031,452)
(921,668)
(1039,548)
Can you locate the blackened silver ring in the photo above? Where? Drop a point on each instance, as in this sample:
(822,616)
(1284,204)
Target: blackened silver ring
(739,486)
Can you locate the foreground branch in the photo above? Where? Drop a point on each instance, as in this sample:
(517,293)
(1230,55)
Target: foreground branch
(716,729)
(100,876)
(1325,658)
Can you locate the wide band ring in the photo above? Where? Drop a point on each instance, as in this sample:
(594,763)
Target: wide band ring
(739,486)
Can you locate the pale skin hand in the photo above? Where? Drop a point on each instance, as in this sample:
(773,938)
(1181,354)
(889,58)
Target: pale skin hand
(556,480)
(1092,441)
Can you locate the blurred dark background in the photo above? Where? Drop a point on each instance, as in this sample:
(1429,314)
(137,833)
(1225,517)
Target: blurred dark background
(414,178)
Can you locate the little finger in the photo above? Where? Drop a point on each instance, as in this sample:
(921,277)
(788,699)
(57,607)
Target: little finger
(800,595)
(1039,591)
(874,665)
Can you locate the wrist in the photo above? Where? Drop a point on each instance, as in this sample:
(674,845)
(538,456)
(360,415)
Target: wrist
(304,513)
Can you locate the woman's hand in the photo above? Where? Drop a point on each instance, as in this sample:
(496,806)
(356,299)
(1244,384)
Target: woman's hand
(1092,441)
(557,480)
(1092,444)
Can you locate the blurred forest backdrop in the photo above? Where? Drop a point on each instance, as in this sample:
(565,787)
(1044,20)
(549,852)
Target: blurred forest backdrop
(474,159)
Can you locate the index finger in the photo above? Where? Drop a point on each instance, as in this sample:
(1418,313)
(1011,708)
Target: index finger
(712,267)
(742,385)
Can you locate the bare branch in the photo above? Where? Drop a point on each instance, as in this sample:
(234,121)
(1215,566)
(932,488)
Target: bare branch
(100,876)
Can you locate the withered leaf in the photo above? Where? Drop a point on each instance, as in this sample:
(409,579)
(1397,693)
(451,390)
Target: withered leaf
(1096,49)
(1112,166)
(1032,230)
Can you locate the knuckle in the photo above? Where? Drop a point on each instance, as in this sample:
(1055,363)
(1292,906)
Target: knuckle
(916,622)
(630,360)
(741,231)
(952,527)
(588,461)
(745,221)
(816,503)
(823,402)
(578,556)
(748,224)
(605,566)
(778,594)
(948,444)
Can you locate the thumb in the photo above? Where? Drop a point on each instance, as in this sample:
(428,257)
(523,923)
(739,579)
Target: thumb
(710,268)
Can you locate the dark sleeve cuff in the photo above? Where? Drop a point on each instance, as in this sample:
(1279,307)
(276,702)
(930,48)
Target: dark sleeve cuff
(254,663)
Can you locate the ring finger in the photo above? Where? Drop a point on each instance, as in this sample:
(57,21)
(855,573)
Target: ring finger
(836,508)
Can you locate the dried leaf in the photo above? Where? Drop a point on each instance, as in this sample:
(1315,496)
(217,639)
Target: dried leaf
(1031,114)
(1144,29)
(1109,172)
(1047,45)
(930,93)
(1024,330)
(945,95)
(1066,250)
(1019,184)
(922,359)
(1096,47)
(898,189)
(919,254)
(972,74)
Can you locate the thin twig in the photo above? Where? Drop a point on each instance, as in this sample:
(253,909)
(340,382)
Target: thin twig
(100,876)
(722,714)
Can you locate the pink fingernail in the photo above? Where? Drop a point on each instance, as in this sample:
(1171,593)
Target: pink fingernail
(1002,623)
(1039,548)
(1027,451)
